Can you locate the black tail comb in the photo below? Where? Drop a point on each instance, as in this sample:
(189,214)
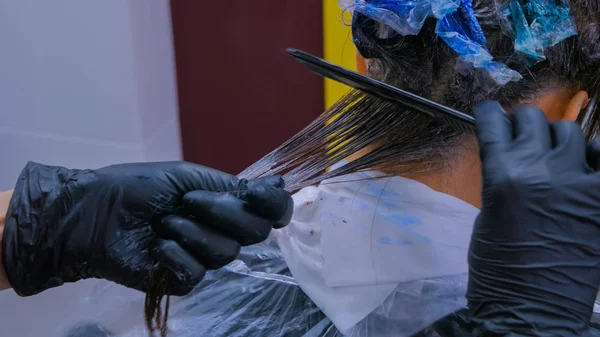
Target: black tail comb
(454,118)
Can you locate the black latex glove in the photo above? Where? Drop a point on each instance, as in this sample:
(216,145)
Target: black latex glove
(120,222)
(535,252)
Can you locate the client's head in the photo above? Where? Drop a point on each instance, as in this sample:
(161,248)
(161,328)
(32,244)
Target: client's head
(545,53)
(458,53)
(425,64)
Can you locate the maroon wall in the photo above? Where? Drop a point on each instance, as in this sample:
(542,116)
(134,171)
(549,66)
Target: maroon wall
(240,95)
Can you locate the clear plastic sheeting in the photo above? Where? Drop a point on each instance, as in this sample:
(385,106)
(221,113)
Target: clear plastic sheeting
(253,296)
(413,307)
(256,296)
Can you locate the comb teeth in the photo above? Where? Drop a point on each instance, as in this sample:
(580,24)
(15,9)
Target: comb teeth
(460,126)
(444,114)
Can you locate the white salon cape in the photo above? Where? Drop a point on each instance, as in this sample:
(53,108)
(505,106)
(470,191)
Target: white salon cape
(379,255)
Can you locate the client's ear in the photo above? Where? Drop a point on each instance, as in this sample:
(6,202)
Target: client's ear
(574,107)
(562,104)
(361,65)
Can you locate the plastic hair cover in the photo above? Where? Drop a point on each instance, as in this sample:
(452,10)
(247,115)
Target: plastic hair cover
(536,24)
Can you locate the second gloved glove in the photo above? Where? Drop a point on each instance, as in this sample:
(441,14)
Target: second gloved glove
(535,251)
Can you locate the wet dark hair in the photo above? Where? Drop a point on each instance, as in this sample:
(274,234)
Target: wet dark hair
(425,65)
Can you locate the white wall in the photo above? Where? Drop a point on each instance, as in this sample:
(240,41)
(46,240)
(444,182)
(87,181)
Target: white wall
(83,83)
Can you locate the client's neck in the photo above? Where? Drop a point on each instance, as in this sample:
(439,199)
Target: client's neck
(461,178)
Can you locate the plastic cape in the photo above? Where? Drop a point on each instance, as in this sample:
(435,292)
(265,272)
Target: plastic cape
(256,296)
(253,296)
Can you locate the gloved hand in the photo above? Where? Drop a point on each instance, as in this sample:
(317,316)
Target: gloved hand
(535,251)
(120,222)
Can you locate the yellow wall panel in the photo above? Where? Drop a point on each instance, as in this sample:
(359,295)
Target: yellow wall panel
(338,47)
